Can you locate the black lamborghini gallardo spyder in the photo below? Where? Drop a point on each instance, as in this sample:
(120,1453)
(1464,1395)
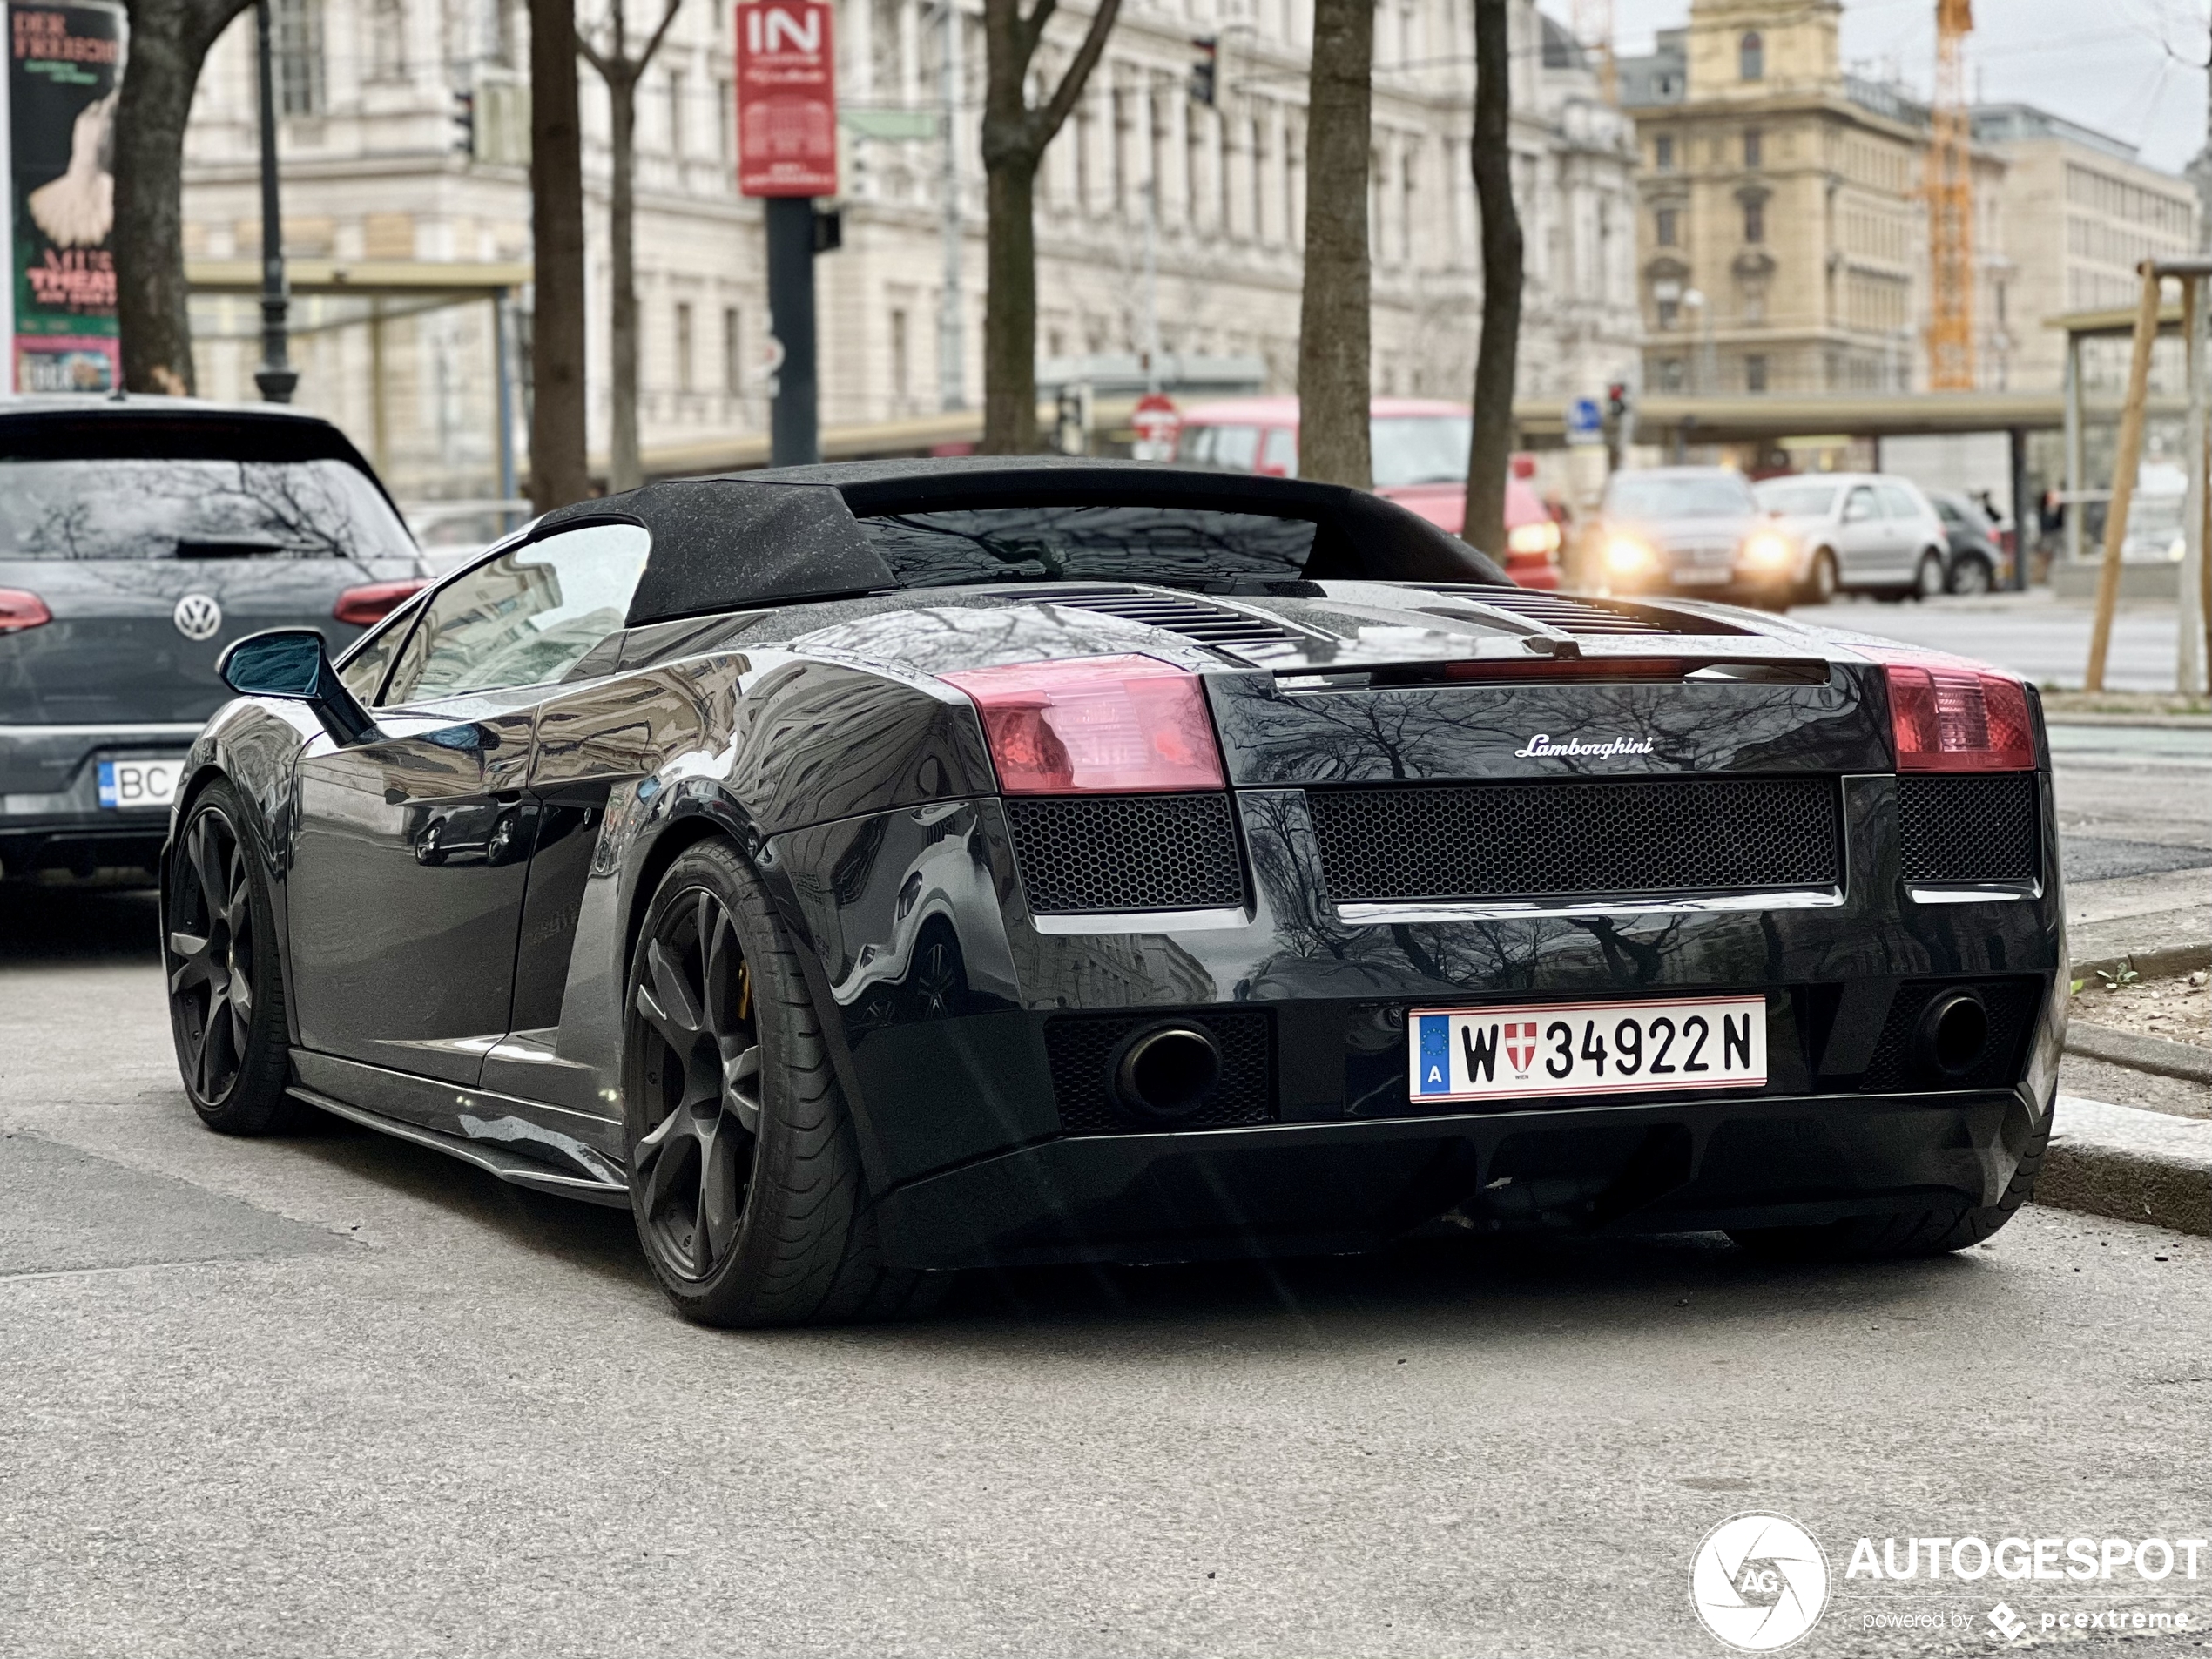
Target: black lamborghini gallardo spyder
(860,872)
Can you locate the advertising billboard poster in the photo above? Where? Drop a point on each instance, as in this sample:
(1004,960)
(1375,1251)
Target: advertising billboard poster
(64,65)
(786,99)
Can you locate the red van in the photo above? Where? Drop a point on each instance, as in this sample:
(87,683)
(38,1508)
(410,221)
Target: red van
(1420,460)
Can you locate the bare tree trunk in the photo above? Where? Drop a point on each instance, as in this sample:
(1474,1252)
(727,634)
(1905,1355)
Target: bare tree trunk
(621,73)
(1014,136)
(558,474)
(1490,454)
(624,468)
(1333,350)
(169,41)
(1010,328)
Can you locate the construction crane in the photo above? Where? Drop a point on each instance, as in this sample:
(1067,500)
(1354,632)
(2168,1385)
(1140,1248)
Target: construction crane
(1950,191)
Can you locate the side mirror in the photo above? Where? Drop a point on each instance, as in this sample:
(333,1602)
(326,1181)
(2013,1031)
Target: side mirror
(291,663)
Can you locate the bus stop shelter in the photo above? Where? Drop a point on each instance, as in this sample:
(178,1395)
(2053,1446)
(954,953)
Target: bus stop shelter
(389,290)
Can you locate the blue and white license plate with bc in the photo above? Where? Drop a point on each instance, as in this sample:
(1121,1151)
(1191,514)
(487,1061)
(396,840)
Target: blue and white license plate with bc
(125,783)
(1587,1049)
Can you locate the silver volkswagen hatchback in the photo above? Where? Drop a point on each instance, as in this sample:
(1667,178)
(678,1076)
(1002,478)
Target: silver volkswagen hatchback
(138,536)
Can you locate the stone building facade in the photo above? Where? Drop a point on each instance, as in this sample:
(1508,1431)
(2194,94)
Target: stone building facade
(2079,212)
(1783,242)
(377,166)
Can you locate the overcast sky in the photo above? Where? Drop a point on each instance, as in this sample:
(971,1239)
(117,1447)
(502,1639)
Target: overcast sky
(2131,68)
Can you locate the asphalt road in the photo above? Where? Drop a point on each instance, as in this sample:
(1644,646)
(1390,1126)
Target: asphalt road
(2033,634)
(335,1394)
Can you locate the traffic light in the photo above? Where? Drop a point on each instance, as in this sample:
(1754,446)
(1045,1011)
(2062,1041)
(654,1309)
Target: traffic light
(1617,400)
(1202,71)
(464,122)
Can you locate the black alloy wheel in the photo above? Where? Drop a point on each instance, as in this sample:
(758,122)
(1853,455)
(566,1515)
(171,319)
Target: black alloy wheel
(745,1167)
(693,1164)
(225,997)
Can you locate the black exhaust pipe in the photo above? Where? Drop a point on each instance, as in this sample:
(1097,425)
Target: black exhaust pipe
(1167,1072)
(1954,1033)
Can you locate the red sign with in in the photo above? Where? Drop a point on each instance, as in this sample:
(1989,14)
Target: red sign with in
(786,99)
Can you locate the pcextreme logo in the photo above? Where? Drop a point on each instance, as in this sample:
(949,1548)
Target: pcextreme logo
(1759,1581)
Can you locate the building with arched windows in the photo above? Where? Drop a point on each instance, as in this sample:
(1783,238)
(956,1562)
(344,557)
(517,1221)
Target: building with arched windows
(405,142)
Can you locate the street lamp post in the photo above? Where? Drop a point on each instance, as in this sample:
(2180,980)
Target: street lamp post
(1693,300)
(276,377)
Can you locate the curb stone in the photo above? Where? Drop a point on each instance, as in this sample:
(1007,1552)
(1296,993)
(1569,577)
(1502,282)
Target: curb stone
(2160,1055)
(2129,1163)
(2159,961)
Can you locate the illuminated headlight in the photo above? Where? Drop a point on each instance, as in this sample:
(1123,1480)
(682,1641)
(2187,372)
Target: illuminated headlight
(1626,555)
(1768,549)
(1539,538)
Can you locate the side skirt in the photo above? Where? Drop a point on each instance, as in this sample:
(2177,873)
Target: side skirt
(488,1156)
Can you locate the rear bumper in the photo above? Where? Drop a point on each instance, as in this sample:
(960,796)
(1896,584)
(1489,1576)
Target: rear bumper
(51,815)
(974,1042)
(1317,1188)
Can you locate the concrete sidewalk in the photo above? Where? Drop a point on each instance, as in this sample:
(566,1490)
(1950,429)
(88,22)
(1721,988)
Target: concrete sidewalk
(2129,1164)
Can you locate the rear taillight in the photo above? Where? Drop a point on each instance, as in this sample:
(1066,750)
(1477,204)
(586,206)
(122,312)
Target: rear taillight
(360,606)
(19,611)
(1094,726)
(1955,718)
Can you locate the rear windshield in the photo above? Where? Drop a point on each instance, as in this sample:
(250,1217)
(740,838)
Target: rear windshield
(1161,544)
(1635,498)
(1798,501)
(167,510)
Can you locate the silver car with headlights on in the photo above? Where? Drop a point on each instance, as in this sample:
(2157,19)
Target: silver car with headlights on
(1692,530)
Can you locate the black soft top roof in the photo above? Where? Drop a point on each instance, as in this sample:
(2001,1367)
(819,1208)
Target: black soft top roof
(794,533)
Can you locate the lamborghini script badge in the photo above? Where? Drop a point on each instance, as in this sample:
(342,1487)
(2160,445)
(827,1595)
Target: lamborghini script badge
(1542,744)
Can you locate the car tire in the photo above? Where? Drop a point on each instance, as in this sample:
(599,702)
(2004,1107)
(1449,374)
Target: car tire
(1928,579)
(1907,1233)
(1972,575)
(744,1170)
(225,984)
(1820,581)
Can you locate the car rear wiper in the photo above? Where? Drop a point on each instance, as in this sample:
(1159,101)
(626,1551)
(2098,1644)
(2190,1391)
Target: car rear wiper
(235,547)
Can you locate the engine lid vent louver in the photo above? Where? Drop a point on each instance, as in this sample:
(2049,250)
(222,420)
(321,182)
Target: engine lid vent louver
(1557,611)
(1210,625)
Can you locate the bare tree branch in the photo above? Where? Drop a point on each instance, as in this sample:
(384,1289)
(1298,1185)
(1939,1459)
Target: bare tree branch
(621,73)
(1047,122)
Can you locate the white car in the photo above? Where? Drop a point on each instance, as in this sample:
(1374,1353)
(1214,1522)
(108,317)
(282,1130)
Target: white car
(1863,531)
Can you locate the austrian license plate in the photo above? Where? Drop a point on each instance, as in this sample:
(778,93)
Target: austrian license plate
(1703,572)
(139,783)
(1587,1049)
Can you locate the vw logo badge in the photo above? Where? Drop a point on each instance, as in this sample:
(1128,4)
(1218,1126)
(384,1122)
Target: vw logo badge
(197,617)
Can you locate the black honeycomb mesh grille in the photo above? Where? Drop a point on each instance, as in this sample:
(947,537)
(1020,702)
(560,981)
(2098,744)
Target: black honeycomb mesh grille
(1127,852)
(1896,1067)
(1081,1046)
(1968,828)
(1534,840)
